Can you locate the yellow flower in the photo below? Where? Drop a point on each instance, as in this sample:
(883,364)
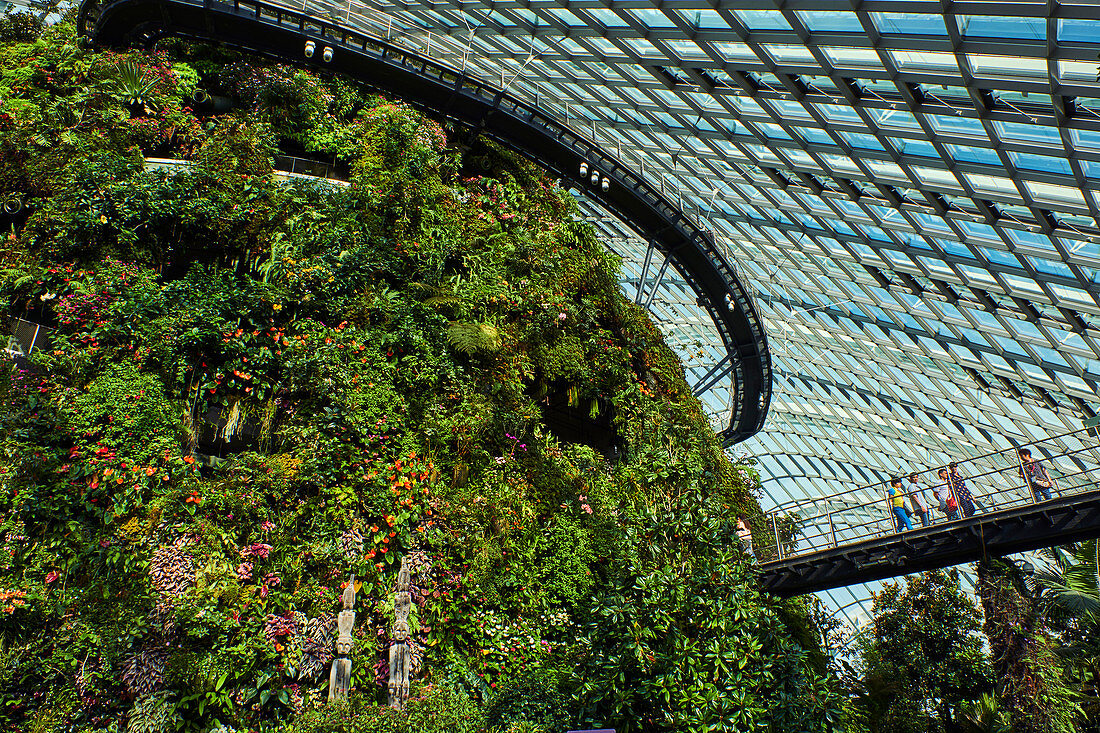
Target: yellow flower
(276,307)
(102,218)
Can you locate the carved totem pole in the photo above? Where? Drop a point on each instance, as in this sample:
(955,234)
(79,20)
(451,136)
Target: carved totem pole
(399,649)
(339,680)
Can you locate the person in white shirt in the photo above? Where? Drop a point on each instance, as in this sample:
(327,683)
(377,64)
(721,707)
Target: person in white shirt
(745,535)
(942,491)
(919,500)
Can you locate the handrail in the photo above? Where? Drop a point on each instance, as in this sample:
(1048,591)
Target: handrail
(525,128)
(794,502)
(994,480)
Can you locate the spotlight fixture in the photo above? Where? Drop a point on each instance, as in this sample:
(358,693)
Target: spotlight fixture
(584,169)
(595,178)
(310,48)
(605,184)
(326,55)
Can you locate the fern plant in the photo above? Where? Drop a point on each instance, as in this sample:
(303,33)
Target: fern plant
(470,338)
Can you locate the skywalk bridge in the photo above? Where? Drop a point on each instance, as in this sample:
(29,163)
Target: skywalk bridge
(850,537)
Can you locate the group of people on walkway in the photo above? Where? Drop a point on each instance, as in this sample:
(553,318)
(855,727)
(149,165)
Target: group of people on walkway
(952,494)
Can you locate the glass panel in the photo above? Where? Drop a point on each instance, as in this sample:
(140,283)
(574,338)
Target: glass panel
(1012,26)
(956,125)
(1048,192)
(932,60)
(896,118)
(830,20)
(1028,133)
(783,54)
(861,140)
(707,19)
(735,51)
(918,24)
(974,154)
(1006,66)
(1077,71)
(1044,163)
(652,18)
(852,57)
(759,20)
(608,18)
(915,147)
(991,184)
(1081,31)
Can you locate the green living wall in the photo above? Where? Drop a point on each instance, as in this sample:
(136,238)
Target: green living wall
(252,388)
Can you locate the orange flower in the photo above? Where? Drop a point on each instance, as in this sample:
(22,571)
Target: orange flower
(188,459)
(108,472)
(150,471)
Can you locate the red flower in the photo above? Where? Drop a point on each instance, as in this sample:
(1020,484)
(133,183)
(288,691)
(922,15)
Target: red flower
(52,576)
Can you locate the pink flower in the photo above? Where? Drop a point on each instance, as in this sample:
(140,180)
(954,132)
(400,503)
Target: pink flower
(267,526)
(244,571)
(258,549)
(52,576)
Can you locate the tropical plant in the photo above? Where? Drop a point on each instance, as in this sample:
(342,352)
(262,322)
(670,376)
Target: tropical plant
(1070,581)
(924,658)
(1032,693)
(132,85)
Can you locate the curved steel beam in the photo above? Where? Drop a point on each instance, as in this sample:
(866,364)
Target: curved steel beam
(282,33)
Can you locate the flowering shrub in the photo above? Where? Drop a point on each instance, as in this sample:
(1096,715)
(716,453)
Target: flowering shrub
(256,389)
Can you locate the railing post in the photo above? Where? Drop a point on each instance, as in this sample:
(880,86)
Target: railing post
(778,547)
(832,529)
(1027,481)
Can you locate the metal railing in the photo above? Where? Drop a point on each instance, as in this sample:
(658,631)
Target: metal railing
(995,480)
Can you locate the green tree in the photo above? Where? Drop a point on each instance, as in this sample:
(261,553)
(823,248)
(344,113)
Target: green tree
(1028,675)
(1068,591)
(924,655)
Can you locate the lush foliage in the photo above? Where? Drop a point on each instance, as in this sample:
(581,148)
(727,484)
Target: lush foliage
(1032,693)
(923,659)
(255,387)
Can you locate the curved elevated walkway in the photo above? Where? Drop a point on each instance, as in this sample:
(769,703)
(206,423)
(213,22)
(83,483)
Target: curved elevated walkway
(282,33)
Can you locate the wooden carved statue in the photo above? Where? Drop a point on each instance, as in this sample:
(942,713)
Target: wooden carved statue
(399,648)
(339,679)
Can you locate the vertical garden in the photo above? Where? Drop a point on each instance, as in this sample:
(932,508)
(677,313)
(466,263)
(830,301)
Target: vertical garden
(249,387)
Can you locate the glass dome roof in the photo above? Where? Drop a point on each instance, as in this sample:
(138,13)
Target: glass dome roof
(911,192)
